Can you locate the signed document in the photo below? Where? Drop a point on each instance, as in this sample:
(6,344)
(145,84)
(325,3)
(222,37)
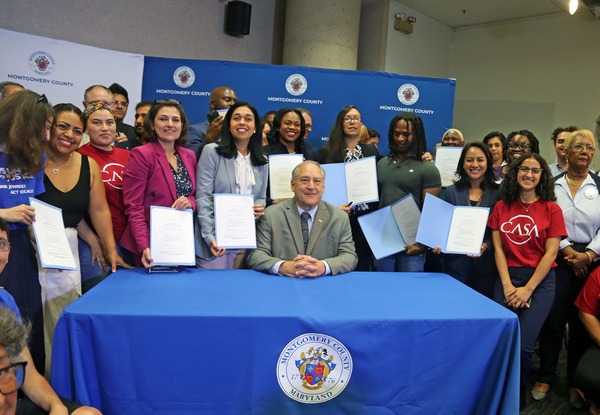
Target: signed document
(354,182)
(456,229)
(446,160)
(172,236)
(280,174)
(234,221)
(389,229)
(52,243)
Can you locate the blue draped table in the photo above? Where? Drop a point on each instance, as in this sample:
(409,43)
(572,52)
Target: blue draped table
(208,342)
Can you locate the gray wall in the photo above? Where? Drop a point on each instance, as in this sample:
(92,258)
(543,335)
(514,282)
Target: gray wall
(175,28)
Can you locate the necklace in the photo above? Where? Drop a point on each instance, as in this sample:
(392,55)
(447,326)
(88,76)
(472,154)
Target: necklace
(573,186)
(528,207)
(56,170)
(477,202)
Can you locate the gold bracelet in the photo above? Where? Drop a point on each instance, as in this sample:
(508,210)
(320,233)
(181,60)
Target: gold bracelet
(590,259)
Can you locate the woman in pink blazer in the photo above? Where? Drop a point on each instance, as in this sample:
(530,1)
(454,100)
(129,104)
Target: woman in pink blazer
(159,173)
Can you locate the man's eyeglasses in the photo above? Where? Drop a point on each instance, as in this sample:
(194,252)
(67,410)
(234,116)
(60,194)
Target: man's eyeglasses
(523,146)
(12,378)
(526,170)
(42,99)
(579,147)
(351,119)
(122,103)
(4,245)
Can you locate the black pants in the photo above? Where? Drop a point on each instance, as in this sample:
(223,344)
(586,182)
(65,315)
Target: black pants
(563,311)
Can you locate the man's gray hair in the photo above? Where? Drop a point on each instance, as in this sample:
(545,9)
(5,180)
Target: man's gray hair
(304,163)
(14,333)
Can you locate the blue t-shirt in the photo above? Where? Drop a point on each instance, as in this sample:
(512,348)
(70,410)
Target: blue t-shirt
(7,300)
(16,188)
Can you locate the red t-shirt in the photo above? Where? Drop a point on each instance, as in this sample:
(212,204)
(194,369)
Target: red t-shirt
(524,233)
(111,166)
(588,300)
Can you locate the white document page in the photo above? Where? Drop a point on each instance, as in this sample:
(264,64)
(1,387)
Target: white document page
(172,236)
(446,160)
(361,180)
(407,216)
(280,174)
(234,221)
(467,230)
(52,244)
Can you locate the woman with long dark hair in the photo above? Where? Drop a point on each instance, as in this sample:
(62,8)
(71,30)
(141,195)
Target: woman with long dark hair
(235,164)
(527,226)
(343,146)
(475,186)
(26,119)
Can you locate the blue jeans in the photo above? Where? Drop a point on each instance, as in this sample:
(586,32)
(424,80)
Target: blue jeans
(400,262)
(85,261)
(531,319)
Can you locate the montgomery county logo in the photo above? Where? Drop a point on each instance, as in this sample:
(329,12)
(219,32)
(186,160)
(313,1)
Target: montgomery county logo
(296,84)
(314,368)
(408,94)
(184,77)
(42,63)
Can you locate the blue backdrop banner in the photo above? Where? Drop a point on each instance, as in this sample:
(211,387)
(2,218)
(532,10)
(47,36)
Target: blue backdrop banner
(378,95)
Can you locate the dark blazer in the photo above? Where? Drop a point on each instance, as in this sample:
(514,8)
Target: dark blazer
(460,197)
(368,150)
(148,181)
(279,237)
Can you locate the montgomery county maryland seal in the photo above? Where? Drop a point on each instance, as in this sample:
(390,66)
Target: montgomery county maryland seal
(184,77)
(296,84)
(408,94)
(314,368)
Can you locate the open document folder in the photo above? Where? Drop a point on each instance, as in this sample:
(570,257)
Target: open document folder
(53,246)
(390,228)
(354,182)
(456,229)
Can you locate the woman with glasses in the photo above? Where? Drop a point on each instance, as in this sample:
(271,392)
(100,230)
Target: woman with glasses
(519,143)
(25,122)
(527,226)
(159,173)
(496,141)
(343,146)
(235,164)
(577,193)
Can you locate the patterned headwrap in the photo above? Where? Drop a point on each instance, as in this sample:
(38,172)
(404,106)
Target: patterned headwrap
(90,109)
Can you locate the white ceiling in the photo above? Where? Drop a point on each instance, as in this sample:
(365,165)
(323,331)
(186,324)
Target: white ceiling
(458,13)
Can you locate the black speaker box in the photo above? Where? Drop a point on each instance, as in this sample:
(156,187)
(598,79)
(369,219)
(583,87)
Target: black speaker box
(237,18)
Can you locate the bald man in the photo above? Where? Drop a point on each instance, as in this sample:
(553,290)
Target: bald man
(206,132)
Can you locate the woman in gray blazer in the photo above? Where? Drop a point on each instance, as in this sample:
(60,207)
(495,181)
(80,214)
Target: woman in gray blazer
(235,164)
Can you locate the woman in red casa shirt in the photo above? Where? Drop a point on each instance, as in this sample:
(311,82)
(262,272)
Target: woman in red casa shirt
(527,226)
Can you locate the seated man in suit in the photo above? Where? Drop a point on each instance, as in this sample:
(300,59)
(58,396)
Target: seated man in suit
(304,236)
